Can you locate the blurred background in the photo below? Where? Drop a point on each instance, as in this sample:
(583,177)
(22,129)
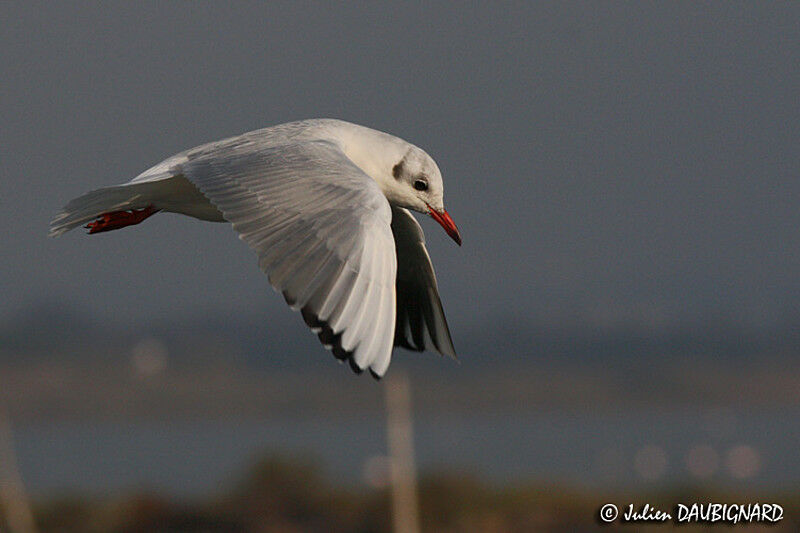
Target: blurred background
(626,305)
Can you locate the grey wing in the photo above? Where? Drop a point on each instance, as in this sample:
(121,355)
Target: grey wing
(421,323)
(321,229)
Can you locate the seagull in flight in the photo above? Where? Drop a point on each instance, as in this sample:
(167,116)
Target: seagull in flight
(325,205)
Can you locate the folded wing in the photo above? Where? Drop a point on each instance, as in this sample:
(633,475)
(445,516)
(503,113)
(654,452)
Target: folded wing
(421,324)
(321,229)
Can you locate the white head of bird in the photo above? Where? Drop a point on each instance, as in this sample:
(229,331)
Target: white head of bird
(406,174)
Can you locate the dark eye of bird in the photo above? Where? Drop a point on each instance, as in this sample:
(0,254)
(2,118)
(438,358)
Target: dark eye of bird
(421,185)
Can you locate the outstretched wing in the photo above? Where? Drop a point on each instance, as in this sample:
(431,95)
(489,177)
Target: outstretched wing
(421,323)
(321,229)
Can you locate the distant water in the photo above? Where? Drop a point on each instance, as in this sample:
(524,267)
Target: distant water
(583,450)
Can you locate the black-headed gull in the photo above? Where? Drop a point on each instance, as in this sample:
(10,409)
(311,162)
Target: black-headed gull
(324,203)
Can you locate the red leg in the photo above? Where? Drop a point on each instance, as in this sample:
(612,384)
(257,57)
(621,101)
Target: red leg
(119,219)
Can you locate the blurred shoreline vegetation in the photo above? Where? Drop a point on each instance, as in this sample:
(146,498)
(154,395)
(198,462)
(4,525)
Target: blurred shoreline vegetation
(294,493)
(59,368)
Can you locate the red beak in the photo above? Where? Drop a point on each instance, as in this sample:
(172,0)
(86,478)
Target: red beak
(447,223)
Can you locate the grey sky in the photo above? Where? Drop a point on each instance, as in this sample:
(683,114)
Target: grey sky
(615,159)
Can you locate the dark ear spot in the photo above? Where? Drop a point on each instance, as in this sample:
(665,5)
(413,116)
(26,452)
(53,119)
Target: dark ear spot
(397,170)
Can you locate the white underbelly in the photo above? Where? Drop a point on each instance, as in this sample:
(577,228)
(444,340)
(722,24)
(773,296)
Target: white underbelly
(179,195)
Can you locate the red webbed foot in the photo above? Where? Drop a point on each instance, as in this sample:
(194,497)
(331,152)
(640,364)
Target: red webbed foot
(119,219)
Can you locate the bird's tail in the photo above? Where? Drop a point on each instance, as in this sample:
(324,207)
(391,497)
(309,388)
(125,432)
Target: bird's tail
(107,208)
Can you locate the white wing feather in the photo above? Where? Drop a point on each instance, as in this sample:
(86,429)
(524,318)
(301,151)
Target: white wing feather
(321,229)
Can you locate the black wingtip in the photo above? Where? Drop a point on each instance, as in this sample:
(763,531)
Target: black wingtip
(331,340)
(357,369)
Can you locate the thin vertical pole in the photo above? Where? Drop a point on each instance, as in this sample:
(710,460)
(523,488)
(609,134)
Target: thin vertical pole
(12,492)
(405,515)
